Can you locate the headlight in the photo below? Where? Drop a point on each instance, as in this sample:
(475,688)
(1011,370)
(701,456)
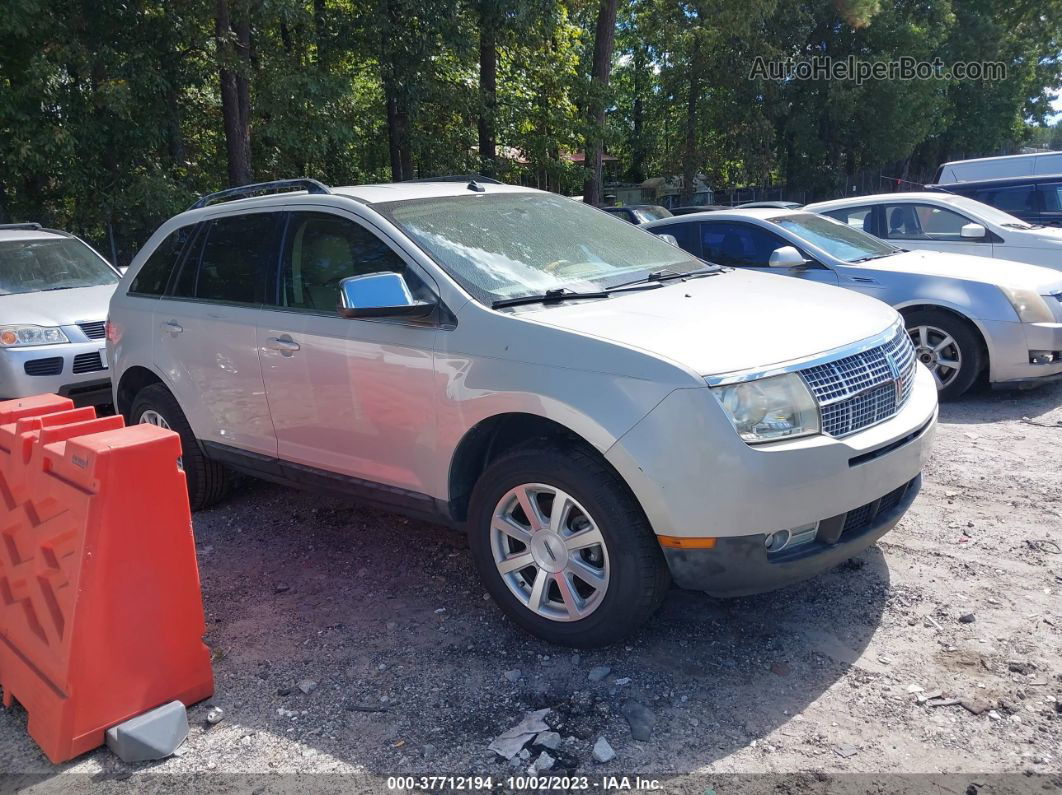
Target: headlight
(779,407)
(15,336)
(1030,306)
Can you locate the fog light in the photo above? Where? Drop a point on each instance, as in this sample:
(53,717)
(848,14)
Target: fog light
(776,542)
(1042,357)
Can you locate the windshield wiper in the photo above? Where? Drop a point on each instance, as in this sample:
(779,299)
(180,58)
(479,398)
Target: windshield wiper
(666,275)
(548,297)
(869,257)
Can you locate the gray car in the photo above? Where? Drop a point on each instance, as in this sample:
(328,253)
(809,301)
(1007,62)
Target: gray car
(966,315)
(54,292)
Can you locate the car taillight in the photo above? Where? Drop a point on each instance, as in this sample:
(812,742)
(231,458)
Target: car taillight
(114,331)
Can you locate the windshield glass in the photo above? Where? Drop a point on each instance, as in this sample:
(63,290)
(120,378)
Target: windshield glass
(837,239)
(647,214)
(987,212)
(510,245)
(31,266)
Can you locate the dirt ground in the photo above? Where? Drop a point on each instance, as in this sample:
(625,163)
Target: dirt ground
(410,669)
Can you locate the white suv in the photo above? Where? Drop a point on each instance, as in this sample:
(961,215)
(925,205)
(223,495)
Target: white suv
(602,412)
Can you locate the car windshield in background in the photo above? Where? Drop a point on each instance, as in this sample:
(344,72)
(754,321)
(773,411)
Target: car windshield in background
(835,238)
(647,214)
(988,213)
(32,266)
(500,246)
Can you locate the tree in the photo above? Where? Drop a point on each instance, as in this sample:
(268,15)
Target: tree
(234,59)
(604,37)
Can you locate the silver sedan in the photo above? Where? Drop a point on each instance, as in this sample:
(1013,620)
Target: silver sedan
(966,315)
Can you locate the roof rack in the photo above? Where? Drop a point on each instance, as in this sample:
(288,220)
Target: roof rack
(29,226)
(459,178)
(244,191)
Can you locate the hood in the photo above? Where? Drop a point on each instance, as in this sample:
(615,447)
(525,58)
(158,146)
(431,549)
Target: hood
(734,320)
(57,307)
(1046,237)
(998,272)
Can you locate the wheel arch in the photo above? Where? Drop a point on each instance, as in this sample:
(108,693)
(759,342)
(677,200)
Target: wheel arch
(492,436)
(971,323)
(132,381)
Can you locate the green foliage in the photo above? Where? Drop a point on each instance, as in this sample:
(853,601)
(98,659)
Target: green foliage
(111,120)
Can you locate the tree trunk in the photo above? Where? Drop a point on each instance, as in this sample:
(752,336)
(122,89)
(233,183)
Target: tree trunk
(235,90)
(689,155)
(638,148)
(488,85)
(320,32)
(604,36)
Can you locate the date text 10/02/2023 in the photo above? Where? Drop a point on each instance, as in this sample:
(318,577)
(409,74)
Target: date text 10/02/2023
(524,783)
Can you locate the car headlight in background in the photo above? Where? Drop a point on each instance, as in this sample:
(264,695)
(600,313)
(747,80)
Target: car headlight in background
(15,336)
(778,407)
(1030,306)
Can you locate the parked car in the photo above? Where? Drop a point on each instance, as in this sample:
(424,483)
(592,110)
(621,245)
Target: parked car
(777,205)
(937,221)
(600,411)
(54,291)
(1034,200)
(701,198)
(997,167)
(965,315)
(639,213)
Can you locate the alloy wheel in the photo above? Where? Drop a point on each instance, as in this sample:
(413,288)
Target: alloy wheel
(549,552)
(152,417)
(937,350)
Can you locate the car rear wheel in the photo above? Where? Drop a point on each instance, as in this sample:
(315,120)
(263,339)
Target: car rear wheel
(207,480)
(949,348)
(564,548)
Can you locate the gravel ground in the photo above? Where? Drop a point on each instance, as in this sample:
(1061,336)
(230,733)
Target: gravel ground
(409,669)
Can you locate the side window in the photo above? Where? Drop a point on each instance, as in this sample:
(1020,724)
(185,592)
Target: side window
(1051,197)
(738,245)
(923,222)
(1019,200)
(231,260)
(322,250)
(154,274)
(861,218)
(685,234)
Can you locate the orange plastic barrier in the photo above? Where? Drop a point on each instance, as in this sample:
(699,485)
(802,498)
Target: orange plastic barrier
(101,616)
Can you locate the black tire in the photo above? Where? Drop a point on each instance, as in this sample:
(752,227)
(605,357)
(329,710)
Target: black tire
(207,480)
(972,360)
(639,577)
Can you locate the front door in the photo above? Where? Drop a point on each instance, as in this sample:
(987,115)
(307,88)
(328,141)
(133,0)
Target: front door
(926,226)
(350,396)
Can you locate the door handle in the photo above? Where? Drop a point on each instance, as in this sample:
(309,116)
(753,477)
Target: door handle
(286,345)
(173,327)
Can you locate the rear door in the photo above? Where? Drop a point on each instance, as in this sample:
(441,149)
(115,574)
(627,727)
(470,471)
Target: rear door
(206,344)
(350,396)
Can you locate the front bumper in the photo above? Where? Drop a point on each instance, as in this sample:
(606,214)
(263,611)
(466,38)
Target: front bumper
(89,385)
(1009,345)
(741,566)
(695,478)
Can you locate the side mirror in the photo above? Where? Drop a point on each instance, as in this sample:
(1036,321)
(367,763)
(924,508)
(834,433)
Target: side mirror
(379,295)
(973,232)
(786,257)
(669,239)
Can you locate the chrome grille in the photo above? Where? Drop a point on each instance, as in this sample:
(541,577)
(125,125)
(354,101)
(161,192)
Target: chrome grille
(865,388)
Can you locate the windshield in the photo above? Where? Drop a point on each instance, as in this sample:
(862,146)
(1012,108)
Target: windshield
(647,214)
(987,212)
(836,239)
(510,245)
(31,266)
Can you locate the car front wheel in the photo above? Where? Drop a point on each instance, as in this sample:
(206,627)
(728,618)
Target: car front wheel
(564,548)
(206,479)
(949,348)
